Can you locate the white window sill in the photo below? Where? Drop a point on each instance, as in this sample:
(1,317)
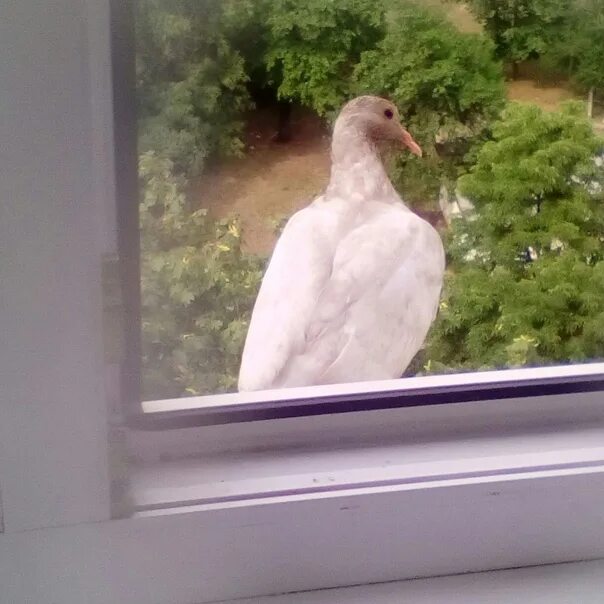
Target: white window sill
(321,502)
(401,494)
(346,469)
(553,584)
(359,396)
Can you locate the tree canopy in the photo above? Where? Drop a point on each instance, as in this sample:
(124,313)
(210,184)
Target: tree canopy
(446,84)
(578,49)
(521,29)
(191,82)
(314,45)
(527,271)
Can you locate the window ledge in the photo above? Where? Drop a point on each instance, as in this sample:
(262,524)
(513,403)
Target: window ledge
(316,502)
(306,472)
(367,396)
(446,490)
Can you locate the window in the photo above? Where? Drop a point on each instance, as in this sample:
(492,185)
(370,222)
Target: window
(236,104)
(246,508)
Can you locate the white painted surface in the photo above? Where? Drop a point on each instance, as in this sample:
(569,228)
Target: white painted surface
(296,544)
(266,474)
(53,445)
(406,385)
(432,423)
(556,584)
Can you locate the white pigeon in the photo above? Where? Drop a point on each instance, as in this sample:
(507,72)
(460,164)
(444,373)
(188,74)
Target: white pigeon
(354,281)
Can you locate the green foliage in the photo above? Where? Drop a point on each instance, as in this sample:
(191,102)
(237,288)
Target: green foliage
(248,34)
(196,61)
(521,29)
(578,49)
(190,80)
(198,289)
(526,274)
(314,45)
(446,85)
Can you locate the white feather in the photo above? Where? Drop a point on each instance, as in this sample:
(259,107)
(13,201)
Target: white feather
(351,289)
(344,299)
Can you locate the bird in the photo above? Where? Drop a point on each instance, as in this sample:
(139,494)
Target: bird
(354,281)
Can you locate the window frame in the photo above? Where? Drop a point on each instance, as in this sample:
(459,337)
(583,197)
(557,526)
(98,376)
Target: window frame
(355,397)
(125,160)
(246,407)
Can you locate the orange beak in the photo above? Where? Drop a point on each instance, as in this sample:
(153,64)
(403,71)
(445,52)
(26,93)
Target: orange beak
(410,143)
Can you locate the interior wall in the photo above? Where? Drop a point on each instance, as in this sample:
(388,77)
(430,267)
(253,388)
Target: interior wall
(55,225)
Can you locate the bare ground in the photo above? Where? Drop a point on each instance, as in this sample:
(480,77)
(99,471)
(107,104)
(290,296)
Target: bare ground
(548,97)
(272,181)
(458,14)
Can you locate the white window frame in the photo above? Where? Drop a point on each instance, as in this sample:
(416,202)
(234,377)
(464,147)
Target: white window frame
(532,496)
(369,396)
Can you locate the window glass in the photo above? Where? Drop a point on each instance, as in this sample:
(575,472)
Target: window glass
(431,170)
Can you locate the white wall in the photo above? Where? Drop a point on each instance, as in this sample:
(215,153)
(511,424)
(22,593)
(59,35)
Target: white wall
(53,230)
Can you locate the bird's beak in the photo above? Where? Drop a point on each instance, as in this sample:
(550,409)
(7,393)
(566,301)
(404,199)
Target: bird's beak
(410,143)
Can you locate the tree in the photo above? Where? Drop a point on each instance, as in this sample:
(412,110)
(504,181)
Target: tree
(521,29)
(446,85)
(313,46)
(198,288)
(191,81)
(526,274)
(578,49)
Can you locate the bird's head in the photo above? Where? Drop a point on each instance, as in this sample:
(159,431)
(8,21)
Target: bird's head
(376,119)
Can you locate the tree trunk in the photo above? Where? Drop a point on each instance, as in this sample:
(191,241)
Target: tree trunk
(590,102)
(515,70)
(284,122)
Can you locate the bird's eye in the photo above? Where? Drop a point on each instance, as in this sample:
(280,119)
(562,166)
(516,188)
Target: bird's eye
(388,113)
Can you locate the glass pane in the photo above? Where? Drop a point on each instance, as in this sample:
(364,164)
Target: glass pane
(430,172)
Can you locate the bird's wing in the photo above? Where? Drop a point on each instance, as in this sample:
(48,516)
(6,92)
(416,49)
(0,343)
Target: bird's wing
(374,312)
(297,272)
(322,289)
(364,262)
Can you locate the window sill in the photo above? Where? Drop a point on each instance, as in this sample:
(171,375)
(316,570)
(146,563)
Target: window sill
(365,396)
(236,512)
(386,495)
(300,472)
(561,583)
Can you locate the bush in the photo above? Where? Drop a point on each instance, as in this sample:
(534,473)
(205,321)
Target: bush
(198,289)
(191,81)
(526,273)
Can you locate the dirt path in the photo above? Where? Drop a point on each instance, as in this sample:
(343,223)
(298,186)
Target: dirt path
(547,97)
(459,15)
(272,181)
